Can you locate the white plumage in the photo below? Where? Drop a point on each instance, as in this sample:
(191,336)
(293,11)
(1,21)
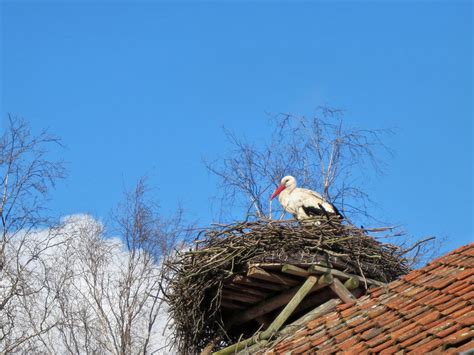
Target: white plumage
(302,203)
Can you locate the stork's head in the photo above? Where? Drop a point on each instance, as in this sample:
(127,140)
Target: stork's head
(286,182)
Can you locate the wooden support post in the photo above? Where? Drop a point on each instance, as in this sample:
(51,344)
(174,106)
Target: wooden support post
(352,283)
(278,322)
(290,307)
(315,313)
(342,292)
(325,279)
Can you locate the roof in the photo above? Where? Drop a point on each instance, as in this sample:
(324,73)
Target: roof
(428,310)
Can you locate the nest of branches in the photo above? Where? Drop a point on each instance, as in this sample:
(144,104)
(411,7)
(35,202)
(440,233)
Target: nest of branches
(197,276)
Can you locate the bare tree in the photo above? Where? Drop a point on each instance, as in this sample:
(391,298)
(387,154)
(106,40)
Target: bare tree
(113,300)
(27,294)
(148,237)
(320,151)
(67,287)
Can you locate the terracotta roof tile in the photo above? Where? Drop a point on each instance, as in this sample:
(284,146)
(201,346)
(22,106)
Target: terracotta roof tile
(420,341)
(302,348)
(468,296)
(413,312)
(466,347)
(443,282)
(467,319)
(466,290)
(347,344)
(464,273)
(392,324)
(430,310)
(343,335)
(319,340)
(457,286)
(430,345)
(412,275)
(386,344)
(448,330)
(377,311)
(460,336)
(452,309)
(461,312)
(378,340)
(413,338)
(390,350)
(363,327)
(428,317)
(343,306)
(371,333)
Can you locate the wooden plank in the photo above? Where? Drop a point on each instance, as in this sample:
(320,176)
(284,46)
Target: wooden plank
(268,266)
(315,260)
(231,305)
(316,269)
(243,280)
(342,292)
(247,290)
(257,273)
(241,297)
(294,270)
(279,320)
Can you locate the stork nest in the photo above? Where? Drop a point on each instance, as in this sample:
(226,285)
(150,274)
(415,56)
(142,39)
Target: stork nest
(196,277)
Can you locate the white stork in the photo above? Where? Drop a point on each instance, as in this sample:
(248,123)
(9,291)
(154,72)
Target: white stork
(302,203)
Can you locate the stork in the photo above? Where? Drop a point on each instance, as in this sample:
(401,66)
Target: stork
(302,203)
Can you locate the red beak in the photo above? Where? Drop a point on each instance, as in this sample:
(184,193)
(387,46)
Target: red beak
(277,191)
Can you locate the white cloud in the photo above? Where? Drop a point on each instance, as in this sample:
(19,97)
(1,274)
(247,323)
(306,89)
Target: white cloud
(87,288)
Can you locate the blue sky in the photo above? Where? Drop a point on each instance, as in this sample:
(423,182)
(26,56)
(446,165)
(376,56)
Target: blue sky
(145,88)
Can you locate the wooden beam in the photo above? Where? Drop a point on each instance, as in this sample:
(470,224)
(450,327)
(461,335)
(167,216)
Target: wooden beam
(243,280)
(279,320)
(290,307)
(241,297)
(352,283)
(315,313)
(261,308)
(231,305)
(268,266)
(246,290)
(342,292)
(316,269)
(325,279)
(257,273)
(294,270)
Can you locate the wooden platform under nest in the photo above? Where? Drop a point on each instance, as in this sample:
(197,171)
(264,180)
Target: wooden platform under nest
(264,294)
